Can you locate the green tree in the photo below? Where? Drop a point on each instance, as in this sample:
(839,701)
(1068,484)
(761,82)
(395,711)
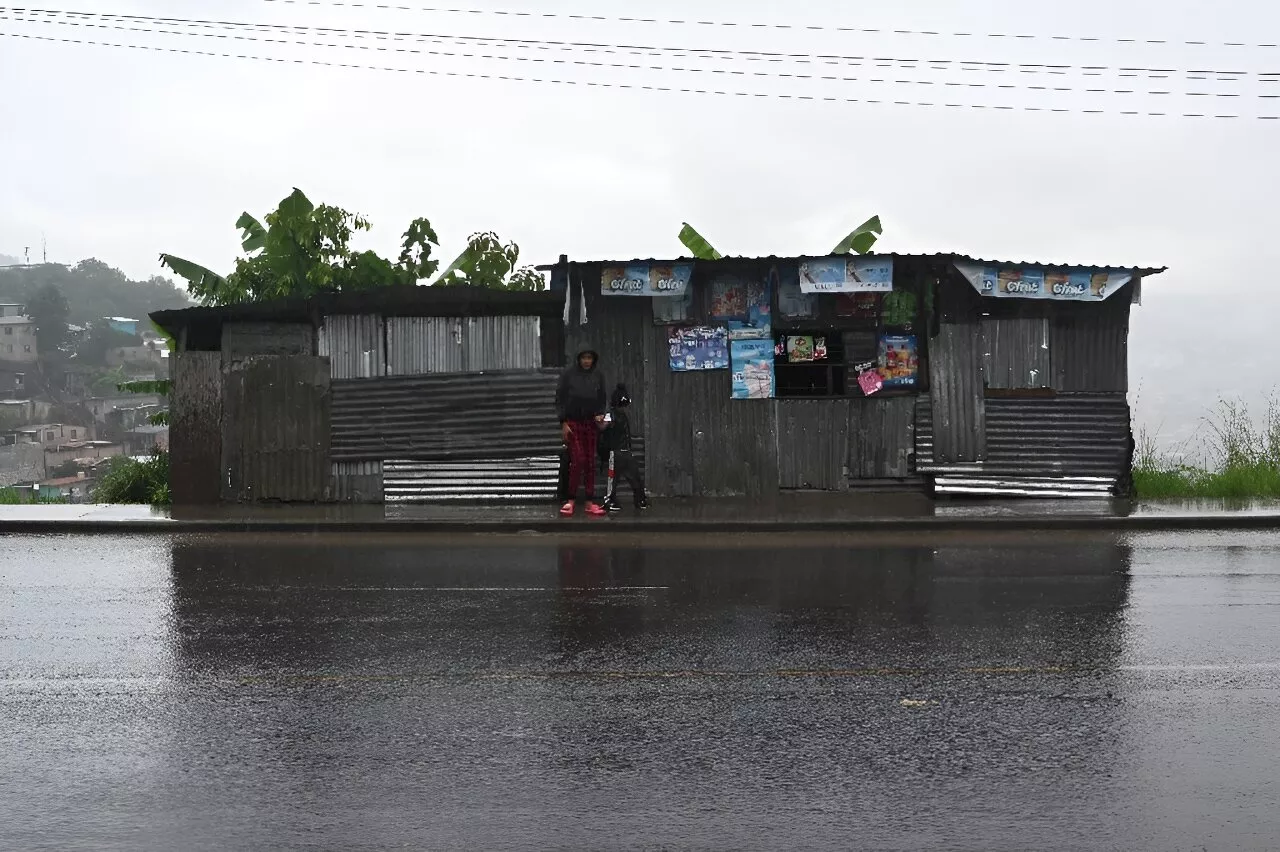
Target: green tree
(49,308)
(93,290)
(304,250)
(488,262)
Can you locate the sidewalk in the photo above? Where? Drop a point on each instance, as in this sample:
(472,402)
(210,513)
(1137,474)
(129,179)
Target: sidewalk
(784,513)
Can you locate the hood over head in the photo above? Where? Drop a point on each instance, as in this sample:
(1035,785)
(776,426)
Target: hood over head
(620,396)
(587,349)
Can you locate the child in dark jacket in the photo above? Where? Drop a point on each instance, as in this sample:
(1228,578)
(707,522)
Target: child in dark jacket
(617,438)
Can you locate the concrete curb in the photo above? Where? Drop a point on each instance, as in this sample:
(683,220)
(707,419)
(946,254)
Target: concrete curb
(1137,523)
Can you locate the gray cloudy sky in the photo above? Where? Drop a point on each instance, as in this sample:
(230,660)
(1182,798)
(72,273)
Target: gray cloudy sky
(120,153)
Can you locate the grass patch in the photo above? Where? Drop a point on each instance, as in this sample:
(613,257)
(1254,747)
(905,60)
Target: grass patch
(25,497)
(1239,458)
(135,482)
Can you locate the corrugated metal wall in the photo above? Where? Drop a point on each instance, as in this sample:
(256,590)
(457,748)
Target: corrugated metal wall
(275,435)
(1091,346)
(356,482)
(1034,443)
(244,339)
(354,346)
(1016,352)
(446,417)
(813,444)
(956,393)
(420,345)
(195,421)
(620,328)
(881,437)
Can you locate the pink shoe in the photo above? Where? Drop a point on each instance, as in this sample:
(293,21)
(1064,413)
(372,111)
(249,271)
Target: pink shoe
(568,509)
(595,510)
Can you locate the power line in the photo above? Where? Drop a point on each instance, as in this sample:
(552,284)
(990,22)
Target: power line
(766,25)
(829,78)
(907,63)
(596,84)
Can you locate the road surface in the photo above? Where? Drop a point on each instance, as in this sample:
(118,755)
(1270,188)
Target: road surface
(1055,691)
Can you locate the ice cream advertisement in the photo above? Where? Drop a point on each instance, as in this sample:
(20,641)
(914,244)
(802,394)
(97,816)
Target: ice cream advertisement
(1029,282)
(699,348)
(846,275)
(646,279)
(752,369)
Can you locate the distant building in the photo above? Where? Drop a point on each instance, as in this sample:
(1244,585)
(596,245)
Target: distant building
(145,440)
(123,324)
(84,452)
(51,436)
(149,354)
(17,338)
(73,489)
(12,310)
(101,407)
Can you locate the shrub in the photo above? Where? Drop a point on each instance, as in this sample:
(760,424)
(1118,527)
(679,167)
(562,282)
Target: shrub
(128,480)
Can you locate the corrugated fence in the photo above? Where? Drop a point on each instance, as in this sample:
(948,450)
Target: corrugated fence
(1073,443)
(446,417)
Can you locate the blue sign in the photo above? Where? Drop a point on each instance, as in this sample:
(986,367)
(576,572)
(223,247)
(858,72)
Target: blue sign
(846,275)
(752,369)
(699,348)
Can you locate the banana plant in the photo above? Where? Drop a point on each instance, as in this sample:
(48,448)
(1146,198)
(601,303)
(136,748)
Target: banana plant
(859,241)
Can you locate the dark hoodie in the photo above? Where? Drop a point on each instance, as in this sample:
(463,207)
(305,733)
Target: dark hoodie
(581,394)
(618,436)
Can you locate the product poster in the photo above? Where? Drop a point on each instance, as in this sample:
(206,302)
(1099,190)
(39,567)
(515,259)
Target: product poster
(728,297)
(1027,282)
(699,348)
(870,381)
(646,279)
(758,322)
(792,303)
(673,309)
(752,369)
(846,275)
(862,306)
(801,349)
(899,361)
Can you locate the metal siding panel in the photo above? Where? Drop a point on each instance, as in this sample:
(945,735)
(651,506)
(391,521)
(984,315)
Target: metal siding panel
(1091,348)
(813,444)
(734,440)
(881,437)
(1078,437)
(436,417)
(502,343)
(421,345)
(355,346)
(621,329)
(956,392)
(195,442)
(1016,353)
(668,434)
(276,435)
(356,482)
(244,339)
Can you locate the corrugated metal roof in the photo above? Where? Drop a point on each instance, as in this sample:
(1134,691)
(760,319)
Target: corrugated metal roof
(942,256)
(384,301)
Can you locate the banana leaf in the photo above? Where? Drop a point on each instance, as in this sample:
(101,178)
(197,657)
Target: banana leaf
(861,239)
(697,244)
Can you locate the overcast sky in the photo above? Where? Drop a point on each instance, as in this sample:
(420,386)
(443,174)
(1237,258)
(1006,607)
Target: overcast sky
(121,154)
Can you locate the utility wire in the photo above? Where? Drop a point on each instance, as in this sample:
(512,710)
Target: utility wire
(831,78)
(595,84)
(765,25)
(1220,75)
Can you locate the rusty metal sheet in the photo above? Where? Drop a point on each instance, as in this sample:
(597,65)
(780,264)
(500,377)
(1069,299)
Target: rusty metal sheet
(813,444)
(195,436)
(275,437)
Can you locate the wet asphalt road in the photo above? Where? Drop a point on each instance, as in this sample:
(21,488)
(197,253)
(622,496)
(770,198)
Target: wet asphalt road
(293,692)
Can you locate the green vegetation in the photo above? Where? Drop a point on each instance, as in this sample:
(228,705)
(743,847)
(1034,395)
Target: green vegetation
(859,241)
(90,290)
(1240,459)
(304,249)
(14,497)
(135,482)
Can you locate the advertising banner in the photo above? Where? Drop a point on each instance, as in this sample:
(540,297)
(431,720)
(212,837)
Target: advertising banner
(646,279)
(743,305)
(792,303)
(699,348)
(846,275)
(1030,282)
(899,360)
(752,369)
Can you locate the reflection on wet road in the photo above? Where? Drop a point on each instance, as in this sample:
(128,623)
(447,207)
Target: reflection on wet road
(1067,691)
